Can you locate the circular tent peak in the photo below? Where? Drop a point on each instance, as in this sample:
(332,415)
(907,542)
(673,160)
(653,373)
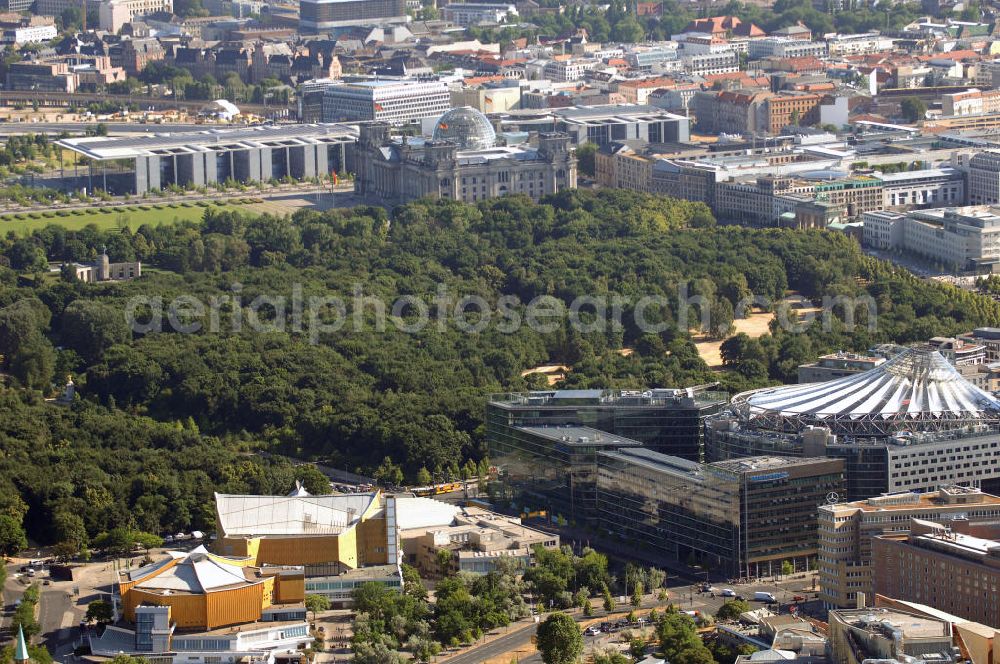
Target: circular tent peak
(916,388)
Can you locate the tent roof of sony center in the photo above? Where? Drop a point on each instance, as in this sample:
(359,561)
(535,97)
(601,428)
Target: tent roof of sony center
(256,516)
(103,148)
(917,389)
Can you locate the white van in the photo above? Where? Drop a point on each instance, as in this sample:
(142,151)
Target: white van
(767,598)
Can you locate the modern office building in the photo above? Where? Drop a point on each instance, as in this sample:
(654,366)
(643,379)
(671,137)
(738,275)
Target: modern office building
(663,420)
(959,238)
(911,424)
(983,170)
(881,634)
(954,567)
(324,15)
(858,44)
(740,517)
(393,101)
(546,443)
(552,468)
(16,5)
(469,14)
(151,162)
(837,365)
(931,187)
(460,162)
(769,47)
(988,338)
(846,532)
(612,123)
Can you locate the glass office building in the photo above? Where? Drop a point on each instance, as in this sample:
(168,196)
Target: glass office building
(665,420)
(740,517)
(552,468)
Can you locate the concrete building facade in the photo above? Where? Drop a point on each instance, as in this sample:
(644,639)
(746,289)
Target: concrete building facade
(847,530)
(323,15)
(255,154)
(951,566)
(460,167)
(394,101)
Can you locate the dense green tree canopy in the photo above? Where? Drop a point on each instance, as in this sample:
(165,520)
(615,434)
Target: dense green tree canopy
(163,419)
(559,639)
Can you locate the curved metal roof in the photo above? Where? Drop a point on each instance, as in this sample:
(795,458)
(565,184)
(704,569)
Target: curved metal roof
(916,386)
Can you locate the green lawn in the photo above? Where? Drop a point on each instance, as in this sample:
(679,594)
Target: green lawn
(105,217)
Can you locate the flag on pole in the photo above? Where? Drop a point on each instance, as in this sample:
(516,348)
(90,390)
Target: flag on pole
(378,107)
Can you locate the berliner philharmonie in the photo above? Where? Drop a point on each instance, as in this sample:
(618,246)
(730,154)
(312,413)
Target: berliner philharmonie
(911,424)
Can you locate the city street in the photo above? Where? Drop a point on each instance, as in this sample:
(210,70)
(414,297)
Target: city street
(683,595)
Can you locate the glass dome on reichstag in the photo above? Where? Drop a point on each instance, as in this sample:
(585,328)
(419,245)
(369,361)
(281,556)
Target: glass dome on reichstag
(467,127)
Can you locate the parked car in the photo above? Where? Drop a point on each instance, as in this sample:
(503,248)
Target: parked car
(728,592)
(593,630)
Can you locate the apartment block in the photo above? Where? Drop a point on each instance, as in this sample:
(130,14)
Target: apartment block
(970,102)
(791,109)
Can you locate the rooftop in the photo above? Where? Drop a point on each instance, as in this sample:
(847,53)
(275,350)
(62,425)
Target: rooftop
(915,501)
(888,620)
(916,390)
(764,463)
(700,395)
(254,516)
(102,148)
(195,573)
(580,436)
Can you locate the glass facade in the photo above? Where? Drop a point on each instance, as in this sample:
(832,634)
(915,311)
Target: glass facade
(740,517)
(664,420)
(546,443)
(552,468)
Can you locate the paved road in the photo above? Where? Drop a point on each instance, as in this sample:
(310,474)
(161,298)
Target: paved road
(518,636)
(684,595)
(52,607)
(12,591)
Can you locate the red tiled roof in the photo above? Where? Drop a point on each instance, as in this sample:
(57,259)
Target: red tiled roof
(951,55)
(713,24)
